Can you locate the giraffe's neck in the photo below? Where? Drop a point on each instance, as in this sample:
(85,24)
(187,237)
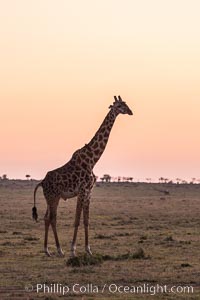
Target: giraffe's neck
(94,149)
(87,156)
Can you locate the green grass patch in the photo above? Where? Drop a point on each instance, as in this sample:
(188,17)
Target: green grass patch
(169,239)
(138,254)
(103,236)
(97,259)
(84,260)
(185,265)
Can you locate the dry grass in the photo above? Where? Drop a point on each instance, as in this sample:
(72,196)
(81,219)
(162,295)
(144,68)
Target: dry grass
(126,220)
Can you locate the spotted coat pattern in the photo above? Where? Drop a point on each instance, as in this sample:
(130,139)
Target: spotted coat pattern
(76,178)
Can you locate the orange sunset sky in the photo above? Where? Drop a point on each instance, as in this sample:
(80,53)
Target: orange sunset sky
(61,63)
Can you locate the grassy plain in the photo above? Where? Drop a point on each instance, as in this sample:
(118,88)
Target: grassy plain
(126,218)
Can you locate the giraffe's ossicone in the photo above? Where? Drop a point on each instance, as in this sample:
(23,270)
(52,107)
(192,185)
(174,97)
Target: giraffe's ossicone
(76,178)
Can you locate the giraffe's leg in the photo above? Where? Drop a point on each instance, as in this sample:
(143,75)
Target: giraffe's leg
(76,225)
(86,207)
(47,223)
(53,217)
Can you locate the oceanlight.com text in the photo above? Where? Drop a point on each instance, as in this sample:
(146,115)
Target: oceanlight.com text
(111,288)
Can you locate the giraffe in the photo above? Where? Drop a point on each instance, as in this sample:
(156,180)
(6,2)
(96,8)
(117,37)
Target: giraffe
(76,178)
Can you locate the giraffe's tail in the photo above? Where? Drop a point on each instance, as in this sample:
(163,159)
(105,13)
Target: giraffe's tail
(34,209)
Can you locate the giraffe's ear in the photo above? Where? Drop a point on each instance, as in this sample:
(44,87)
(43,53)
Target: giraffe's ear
(110,106)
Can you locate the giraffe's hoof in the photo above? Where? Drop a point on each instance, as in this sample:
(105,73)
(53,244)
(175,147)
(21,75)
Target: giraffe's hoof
(88,250)
(60,252)
(47,252)
(73,251)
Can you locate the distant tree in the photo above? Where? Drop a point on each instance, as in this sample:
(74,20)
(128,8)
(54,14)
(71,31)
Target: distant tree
(148,180)
(184,182)
(161,179)
(28,177)
(178,180)
(107,177)
(127,179)
(170,182)
(119,178)
(193,180)
(4,177)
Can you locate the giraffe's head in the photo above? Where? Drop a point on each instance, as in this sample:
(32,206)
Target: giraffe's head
(120,107)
